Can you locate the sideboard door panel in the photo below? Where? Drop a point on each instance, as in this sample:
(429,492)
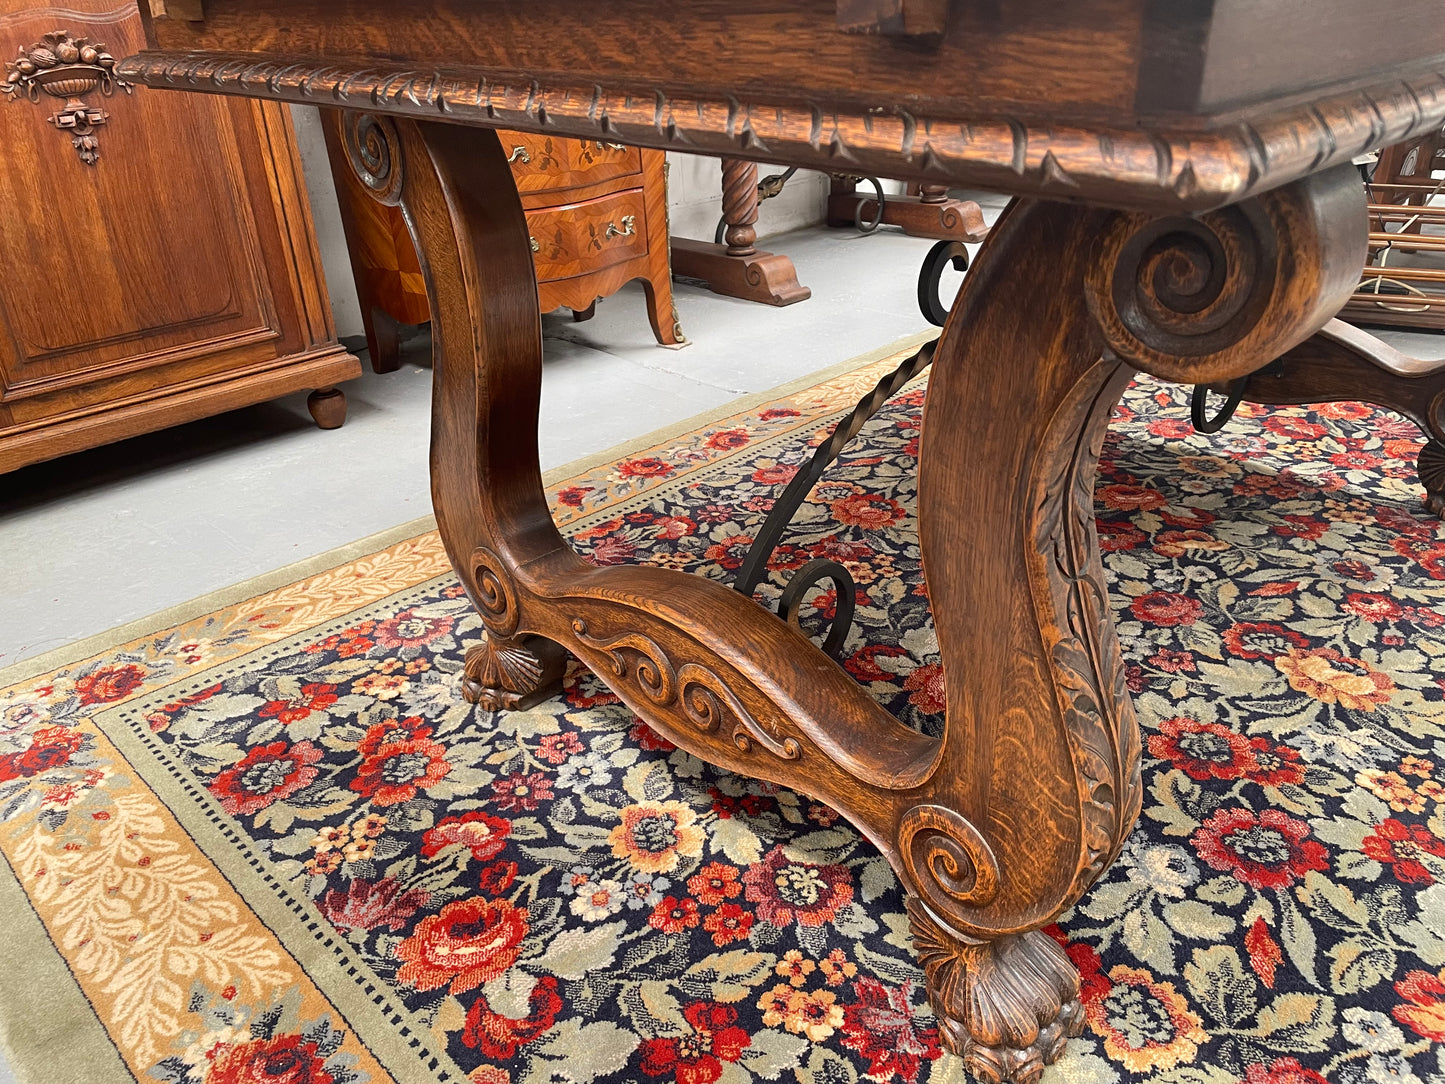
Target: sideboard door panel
(121,254)
(157,261)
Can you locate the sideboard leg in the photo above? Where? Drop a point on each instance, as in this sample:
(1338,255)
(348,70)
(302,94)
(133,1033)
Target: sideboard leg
(327,407)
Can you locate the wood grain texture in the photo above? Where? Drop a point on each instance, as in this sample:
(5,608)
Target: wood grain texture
(174,276)
(1234,242)
(1003,823)
(1030,98)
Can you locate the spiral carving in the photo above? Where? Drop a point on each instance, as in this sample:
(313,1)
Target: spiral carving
(947,859)
(707,701)
(494,594)
(740,205)
(701,706)
(1209,299)
(651,668)
(374,149)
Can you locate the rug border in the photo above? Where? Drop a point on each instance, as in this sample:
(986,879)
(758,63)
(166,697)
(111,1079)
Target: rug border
(100,642)
(44,1002)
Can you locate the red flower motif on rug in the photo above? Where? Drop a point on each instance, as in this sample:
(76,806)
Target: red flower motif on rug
(267,774)
(410,630)
(1401,847)
(109,683)
(399,759)
(480,832)
(316,696)
(881,1026)
(697,1058)
(470,942)
(498,1036)
(285,1059)
(1203,750)
(785,891)
(1265,850)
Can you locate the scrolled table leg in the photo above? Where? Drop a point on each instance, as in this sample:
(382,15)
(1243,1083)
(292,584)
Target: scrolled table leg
(1037,781)
(1003,823)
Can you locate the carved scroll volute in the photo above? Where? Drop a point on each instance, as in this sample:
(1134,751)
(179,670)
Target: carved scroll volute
(373,148)
(1219,296)
(69,69)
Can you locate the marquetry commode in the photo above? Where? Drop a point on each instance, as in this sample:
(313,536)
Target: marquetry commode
(596,218)
(1187,209)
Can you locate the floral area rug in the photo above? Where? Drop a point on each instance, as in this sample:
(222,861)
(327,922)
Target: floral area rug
(274,846)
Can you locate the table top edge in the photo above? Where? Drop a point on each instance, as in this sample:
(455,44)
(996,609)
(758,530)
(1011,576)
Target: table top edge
(1155,168)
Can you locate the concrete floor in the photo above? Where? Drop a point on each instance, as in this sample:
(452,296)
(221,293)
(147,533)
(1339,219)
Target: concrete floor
(97,539)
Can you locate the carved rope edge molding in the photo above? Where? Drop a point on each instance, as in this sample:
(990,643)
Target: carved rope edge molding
(1165,170)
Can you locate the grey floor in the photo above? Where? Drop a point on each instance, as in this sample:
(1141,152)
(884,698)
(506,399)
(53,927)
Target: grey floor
(95,540)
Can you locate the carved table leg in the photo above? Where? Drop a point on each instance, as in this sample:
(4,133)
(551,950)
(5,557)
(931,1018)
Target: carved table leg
(503,675)
(1000,825)
(738,268)
(1342,363)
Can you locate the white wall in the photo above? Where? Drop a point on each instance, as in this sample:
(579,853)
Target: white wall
(694,198)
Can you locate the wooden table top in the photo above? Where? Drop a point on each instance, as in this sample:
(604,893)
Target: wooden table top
(1156,104)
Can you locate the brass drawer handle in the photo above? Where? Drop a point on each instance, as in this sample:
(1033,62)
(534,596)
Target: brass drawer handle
(519,154)
(601,146)
(536,245)
(629,227)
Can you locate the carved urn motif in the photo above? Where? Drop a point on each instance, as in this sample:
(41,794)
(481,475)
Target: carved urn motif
(67,68)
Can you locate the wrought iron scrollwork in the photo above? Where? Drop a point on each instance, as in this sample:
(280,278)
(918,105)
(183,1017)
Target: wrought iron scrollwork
(1198,402)
(930,276)
(755,566)
(868,225)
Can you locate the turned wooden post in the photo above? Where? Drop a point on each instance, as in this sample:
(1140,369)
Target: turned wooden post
(737,268)
(740,206)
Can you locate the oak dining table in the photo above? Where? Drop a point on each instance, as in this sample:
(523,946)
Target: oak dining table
(1186,207)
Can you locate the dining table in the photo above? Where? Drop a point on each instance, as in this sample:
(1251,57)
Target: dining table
(1185,207)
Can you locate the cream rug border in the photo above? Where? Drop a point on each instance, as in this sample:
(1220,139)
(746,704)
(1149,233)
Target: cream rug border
(100,642)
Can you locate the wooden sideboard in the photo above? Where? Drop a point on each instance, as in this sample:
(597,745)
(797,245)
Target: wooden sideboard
(158,251)
(596,213)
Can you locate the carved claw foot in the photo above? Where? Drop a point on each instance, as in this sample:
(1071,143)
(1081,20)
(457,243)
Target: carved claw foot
(1006,1007)
(504,675)
(1431,466)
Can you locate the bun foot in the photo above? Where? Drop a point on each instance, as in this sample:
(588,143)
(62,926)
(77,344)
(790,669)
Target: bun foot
(506,675)
(328,407)
(1006,1007)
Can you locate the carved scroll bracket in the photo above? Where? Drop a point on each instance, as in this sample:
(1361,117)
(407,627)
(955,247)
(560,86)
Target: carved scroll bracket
(66,68)
(1213,298)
